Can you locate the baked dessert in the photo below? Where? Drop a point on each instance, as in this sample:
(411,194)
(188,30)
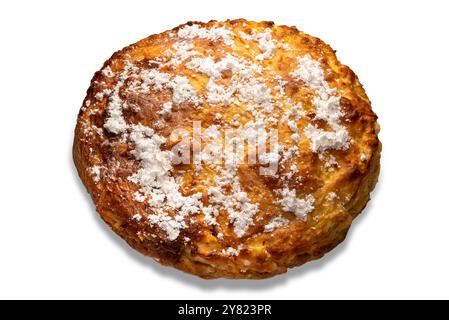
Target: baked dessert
(229,149)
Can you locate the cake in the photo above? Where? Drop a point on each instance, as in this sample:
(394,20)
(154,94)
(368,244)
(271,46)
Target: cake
(231,149)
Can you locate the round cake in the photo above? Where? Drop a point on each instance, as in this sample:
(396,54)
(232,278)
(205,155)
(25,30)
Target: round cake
(231,149)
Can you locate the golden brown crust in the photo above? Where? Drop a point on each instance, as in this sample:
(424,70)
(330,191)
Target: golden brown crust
(105,160)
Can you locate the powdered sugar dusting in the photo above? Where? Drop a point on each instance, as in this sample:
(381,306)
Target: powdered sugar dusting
(331,196)
(137,217)
(180,86)
(115,123)
(218,94)
(171,226)
(156,181)
(95,173)
(266,44)
(322,140)
(166,109)
(107,72)
(327,106)
(290,203)
(232,251)
(213,34)
(363,157)
(275,223)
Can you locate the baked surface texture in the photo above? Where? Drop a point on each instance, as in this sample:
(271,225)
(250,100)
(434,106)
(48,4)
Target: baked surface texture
(216,215)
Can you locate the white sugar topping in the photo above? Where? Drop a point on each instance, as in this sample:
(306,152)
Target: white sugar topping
(245,36)
(328,109)
(256,91)
(214,70)
(218,94)
(310,72)
(266,44)
(183,51)
(232,251)
(295,137)
(171,226)
(182,90)
(180,86)
(322,140)
(331,196)
(166,109)
(250,89)
(210,215)
(100,95)
(327,106)
(154,78)
(275,223)
(107,72)
(330,164)
(290,203)
(137,217)
(115,123)
(236,203)
(139,197)
(213,34)
(154,178)
(292,125)
(95,173)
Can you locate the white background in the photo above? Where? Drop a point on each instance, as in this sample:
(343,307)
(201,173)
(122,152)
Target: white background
(52,243)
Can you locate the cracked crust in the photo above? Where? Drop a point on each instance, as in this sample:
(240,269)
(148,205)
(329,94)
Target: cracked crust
(265,254)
